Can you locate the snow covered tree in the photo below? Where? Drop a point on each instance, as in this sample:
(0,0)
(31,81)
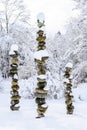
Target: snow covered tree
(76,36)
(68,90)
(14,73)
(56,47)
(11,12)
(40,56)
(24,37)
(5,42)
(12,15)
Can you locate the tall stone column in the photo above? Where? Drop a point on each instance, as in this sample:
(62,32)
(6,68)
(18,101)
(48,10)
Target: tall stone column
(14,74)
(40,58)
(68,88)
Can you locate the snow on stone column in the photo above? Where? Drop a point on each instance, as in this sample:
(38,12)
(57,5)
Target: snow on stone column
(14,74)
(68,89)
(40,56)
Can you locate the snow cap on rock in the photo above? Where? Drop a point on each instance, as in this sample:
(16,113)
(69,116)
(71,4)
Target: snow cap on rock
(66,80)
(11,52)
(42,76)
(14,47)
(15,76)
(69,65)
(41,17)
(40,54)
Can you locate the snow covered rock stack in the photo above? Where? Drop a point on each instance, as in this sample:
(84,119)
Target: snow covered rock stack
(14,74)
(40,56)
(68,90)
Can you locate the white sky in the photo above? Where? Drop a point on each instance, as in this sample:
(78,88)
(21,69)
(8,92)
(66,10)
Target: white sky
(56,12)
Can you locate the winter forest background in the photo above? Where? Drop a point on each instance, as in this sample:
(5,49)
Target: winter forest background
(62,48)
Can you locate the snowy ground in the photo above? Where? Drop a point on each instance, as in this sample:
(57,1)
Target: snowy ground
(56,117)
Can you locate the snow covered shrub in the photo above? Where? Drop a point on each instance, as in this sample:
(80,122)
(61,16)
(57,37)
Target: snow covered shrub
(26,71)
(54,86)
(80,93)
(27,87)
(1,88)
(80,73)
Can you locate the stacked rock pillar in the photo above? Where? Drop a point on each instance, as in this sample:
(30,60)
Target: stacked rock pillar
(14,74)
(40,57)
(68,89)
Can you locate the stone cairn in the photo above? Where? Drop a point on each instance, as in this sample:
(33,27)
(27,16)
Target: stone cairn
(68,89)
(14,74)
(40,56)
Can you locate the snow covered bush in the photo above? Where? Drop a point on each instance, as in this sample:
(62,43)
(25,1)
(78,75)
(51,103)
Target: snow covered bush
(80,73)
(80,93)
